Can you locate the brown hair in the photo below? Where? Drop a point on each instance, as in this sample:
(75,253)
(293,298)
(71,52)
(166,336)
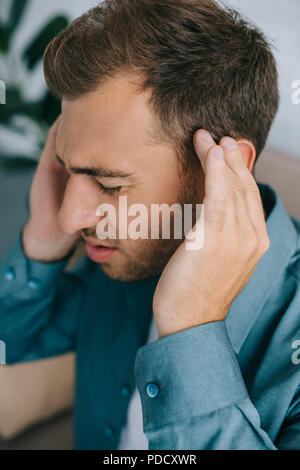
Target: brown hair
(206,67)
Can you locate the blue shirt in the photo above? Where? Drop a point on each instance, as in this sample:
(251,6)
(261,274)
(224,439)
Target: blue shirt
(230,384)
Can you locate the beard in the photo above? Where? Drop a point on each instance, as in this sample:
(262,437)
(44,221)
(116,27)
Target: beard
(149,257)
(149,260)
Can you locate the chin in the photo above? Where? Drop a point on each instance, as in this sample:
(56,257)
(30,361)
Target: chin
(128,273)
(118,273)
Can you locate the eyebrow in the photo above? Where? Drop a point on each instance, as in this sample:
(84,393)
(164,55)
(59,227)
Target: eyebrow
(100,172)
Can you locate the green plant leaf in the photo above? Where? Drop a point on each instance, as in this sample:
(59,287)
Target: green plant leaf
(50,109)
(4,38)
(34,52)
(15,104)
(17,10)
(16,163)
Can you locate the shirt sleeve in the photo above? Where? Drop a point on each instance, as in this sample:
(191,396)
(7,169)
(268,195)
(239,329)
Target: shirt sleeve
(193,395)
(289,435)
(39,306)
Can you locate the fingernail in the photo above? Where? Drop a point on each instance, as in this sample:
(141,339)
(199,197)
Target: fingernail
(204,135)
(229,143)
(218,152)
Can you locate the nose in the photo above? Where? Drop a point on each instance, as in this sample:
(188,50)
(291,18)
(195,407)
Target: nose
(81,199)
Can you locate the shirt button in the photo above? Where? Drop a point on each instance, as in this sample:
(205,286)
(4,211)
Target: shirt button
(125,390)
(10,274)
(34,283)
(109,431)
(152,390)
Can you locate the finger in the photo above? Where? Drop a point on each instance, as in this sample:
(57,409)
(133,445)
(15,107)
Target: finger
(245,182)
(48,158)
(222,202)
(54,130)
(216,195)
(203,142)
(55,125)
(235,188)
(234,158)
(217,184)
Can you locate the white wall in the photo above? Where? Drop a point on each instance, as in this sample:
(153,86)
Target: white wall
(280,20)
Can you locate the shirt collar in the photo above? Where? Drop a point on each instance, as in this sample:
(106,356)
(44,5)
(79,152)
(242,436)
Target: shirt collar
(283,238)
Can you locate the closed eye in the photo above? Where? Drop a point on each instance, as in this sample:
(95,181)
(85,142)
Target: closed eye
(109,191)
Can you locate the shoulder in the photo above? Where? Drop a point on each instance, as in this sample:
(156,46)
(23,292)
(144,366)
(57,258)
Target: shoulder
(294,264)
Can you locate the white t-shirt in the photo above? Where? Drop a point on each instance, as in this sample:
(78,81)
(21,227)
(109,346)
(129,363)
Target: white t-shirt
(132,436)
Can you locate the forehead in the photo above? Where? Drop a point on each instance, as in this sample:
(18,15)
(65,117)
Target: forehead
(113,124)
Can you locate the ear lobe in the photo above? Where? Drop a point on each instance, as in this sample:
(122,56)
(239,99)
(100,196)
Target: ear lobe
(248,152)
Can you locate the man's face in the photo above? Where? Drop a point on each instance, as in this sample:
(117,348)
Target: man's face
(110,130)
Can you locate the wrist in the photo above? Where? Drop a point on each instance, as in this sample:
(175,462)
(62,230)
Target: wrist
(44,250)
(172,321)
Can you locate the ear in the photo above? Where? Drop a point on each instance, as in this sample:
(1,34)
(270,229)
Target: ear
(248,152)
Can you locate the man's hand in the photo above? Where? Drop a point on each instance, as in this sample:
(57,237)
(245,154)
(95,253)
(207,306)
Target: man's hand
(43,238)
(197,287)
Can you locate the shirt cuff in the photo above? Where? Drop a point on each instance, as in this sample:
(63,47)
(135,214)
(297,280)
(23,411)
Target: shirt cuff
(190,373)
(17,271)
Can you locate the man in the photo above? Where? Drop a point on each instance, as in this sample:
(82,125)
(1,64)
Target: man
(164,102)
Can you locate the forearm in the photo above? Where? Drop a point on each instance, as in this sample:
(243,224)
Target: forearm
(31,306)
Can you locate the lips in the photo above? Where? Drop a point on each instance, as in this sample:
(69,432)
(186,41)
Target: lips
(94,243)
(99,253)
(99,245)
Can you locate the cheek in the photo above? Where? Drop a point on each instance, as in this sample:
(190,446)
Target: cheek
(161,191)
(167,188)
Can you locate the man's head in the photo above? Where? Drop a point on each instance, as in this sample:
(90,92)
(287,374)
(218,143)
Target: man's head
(137,78)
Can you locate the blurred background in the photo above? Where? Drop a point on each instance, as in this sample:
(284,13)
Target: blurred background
(26,27)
